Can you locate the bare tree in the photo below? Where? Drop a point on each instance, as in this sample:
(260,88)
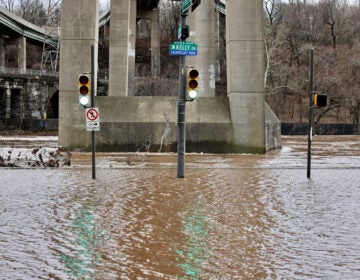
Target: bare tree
(169,21)
(39,12)
(169,18)
(273,19)
(331,27)
(32,11)
(8,4)
(336,15)
(53,12)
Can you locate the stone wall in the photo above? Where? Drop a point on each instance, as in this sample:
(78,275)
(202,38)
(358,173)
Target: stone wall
(28,97)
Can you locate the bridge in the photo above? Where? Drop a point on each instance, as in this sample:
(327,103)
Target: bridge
(240,122)
(236,123)
(17,31)
(26,93)
(147,4)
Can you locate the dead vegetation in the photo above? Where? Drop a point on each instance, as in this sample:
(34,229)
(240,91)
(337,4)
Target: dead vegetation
(38,157)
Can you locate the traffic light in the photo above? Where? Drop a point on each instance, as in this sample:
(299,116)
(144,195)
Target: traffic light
(185,32)
(84,86)
(320,100)
(192,83)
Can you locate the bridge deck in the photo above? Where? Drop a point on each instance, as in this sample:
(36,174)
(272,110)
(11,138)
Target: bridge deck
(147,4)
(14,26)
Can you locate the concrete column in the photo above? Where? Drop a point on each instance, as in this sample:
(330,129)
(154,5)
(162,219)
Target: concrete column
(2,52)
(155,43)
(153,15)
(131,48)
(22,53)
(202,24)
(79,30)
(245,72)
(122,47)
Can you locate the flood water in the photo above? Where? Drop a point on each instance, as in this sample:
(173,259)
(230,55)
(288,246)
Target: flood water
(231,217)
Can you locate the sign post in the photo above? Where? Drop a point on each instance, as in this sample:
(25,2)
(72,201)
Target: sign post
(181,106)
(183,49)
(311,113)
(93,114)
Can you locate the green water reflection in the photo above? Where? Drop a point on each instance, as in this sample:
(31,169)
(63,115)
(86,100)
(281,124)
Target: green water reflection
(195,252)
(82,262)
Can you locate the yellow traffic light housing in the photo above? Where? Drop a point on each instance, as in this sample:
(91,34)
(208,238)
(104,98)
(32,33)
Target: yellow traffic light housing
(320,100)
(192,84)
(84,89)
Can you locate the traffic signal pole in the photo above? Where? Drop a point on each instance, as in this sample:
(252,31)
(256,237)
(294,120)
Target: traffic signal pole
(93,87)
(181,109)
(311,112)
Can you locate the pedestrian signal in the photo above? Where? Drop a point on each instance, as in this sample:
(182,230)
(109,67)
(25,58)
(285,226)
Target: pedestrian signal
(320,100)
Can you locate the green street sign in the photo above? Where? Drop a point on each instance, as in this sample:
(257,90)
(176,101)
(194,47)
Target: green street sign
(183,48)
(185,5)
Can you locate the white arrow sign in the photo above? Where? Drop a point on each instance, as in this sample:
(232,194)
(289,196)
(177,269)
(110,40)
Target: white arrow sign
(92,126)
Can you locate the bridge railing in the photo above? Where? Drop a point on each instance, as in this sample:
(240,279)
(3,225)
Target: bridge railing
(27,72)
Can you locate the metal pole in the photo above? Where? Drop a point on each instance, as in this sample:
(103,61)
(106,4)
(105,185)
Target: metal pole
(93,82)
(181,109)
(310,129)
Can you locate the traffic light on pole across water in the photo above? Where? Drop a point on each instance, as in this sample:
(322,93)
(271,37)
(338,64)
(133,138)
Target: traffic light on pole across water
(320,100)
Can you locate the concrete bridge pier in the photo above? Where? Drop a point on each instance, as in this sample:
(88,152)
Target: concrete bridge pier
(245,72)
(202,24)
(22,53)
(2,52)
(236,123)
(154,17)
(79,28)
(122,47)
(20,43)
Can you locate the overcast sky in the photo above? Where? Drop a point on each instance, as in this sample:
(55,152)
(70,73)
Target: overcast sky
(104,4)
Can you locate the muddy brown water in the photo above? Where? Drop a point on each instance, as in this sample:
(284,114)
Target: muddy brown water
(231,217)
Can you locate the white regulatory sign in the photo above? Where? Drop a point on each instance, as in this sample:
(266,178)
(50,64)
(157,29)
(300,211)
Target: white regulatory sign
(92,114)
(92,119)
(92,126)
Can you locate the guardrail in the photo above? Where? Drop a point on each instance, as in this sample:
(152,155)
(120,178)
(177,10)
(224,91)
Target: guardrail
(27,72)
